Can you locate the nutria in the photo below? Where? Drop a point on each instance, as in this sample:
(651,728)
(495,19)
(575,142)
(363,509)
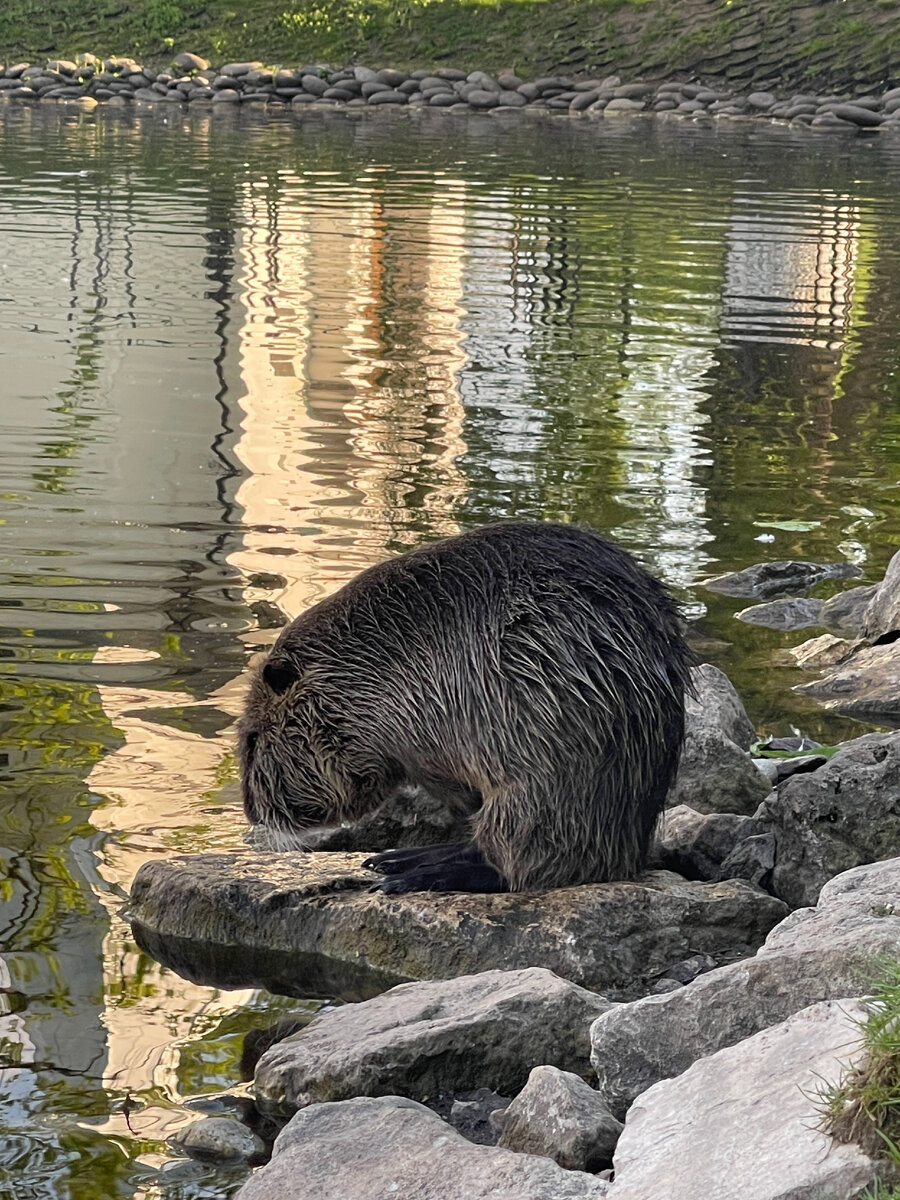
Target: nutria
(530,672)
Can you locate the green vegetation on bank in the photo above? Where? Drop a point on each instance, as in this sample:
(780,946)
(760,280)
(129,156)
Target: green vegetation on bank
(399,32)
(864,1106)
(855,42)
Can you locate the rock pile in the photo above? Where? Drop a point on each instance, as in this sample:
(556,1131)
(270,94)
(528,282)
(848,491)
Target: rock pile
(192,80)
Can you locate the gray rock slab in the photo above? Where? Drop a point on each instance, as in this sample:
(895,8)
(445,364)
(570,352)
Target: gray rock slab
(815,954)
(844,814)
(865,685)
(790,612)
(742,1124)
(395,1149)
(560,1116)
(857,114)
(317,906)
(821,653)
(780,577)
(425,1039)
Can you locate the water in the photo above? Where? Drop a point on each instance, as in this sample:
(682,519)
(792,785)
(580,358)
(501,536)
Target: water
(245,356)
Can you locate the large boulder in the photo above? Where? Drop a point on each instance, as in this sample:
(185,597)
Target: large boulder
(299,922)
(390,1148)
(421,1039)
(715,772)
(815,954)
(745,1122)
(842,815)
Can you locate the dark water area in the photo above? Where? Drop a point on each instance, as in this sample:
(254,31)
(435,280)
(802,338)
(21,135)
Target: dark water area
(244,356)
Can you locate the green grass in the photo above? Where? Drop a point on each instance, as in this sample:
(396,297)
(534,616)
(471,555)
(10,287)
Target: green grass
(401,32)
(864,1106)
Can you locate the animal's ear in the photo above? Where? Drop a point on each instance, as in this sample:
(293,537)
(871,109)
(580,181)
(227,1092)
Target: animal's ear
(279,674)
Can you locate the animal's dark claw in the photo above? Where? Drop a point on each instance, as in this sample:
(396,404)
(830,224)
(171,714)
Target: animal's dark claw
(453,868)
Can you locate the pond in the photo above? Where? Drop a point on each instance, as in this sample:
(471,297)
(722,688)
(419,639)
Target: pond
(245,355)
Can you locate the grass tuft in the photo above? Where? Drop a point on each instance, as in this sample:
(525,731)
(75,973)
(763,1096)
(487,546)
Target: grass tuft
(864,1106)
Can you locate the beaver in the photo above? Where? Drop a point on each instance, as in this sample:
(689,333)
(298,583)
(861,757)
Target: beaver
(532,674)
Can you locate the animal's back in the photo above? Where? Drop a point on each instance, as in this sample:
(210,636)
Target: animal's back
(534,666)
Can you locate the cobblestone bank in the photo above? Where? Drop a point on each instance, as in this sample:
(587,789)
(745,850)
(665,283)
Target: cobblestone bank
(193,81)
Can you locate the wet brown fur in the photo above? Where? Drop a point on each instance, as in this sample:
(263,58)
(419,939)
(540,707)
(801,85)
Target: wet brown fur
(533,670)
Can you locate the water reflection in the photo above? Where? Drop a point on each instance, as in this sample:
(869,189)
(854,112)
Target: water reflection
(246,356)
(793,270)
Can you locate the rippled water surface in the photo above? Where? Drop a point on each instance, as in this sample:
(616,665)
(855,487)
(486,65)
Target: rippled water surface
(244,357)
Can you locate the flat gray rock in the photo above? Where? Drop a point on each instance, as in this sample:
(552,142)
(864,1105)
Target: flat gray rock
(219,1139)
(395,1149)
(821,653)
(865,685)
(743,1123)
(423,1039)
(815,954)
(781,577)
(301,920)
(788,613)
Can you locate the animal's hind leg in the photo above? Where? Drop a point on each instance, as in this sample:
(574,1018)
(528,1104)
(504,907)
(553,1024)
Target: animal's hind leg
(525,829)
(458,867)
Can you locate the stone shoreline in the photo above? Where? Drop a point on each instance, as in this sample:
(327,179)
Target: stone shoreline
(192,81)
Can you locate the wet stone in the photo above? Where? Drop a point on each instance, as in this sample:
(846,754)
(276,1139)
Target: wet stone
(621,105)
(190,62)
(391,79)
(314,85)
(219,1139)
(480,98)
(388,97)
(857,115)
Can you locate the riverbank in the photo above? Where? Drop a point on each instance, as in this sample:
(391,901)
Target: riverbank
(193,81)
(820,45)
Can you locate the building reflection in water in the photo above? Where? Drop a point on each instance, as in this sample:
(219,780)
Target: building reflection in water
(336,432)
